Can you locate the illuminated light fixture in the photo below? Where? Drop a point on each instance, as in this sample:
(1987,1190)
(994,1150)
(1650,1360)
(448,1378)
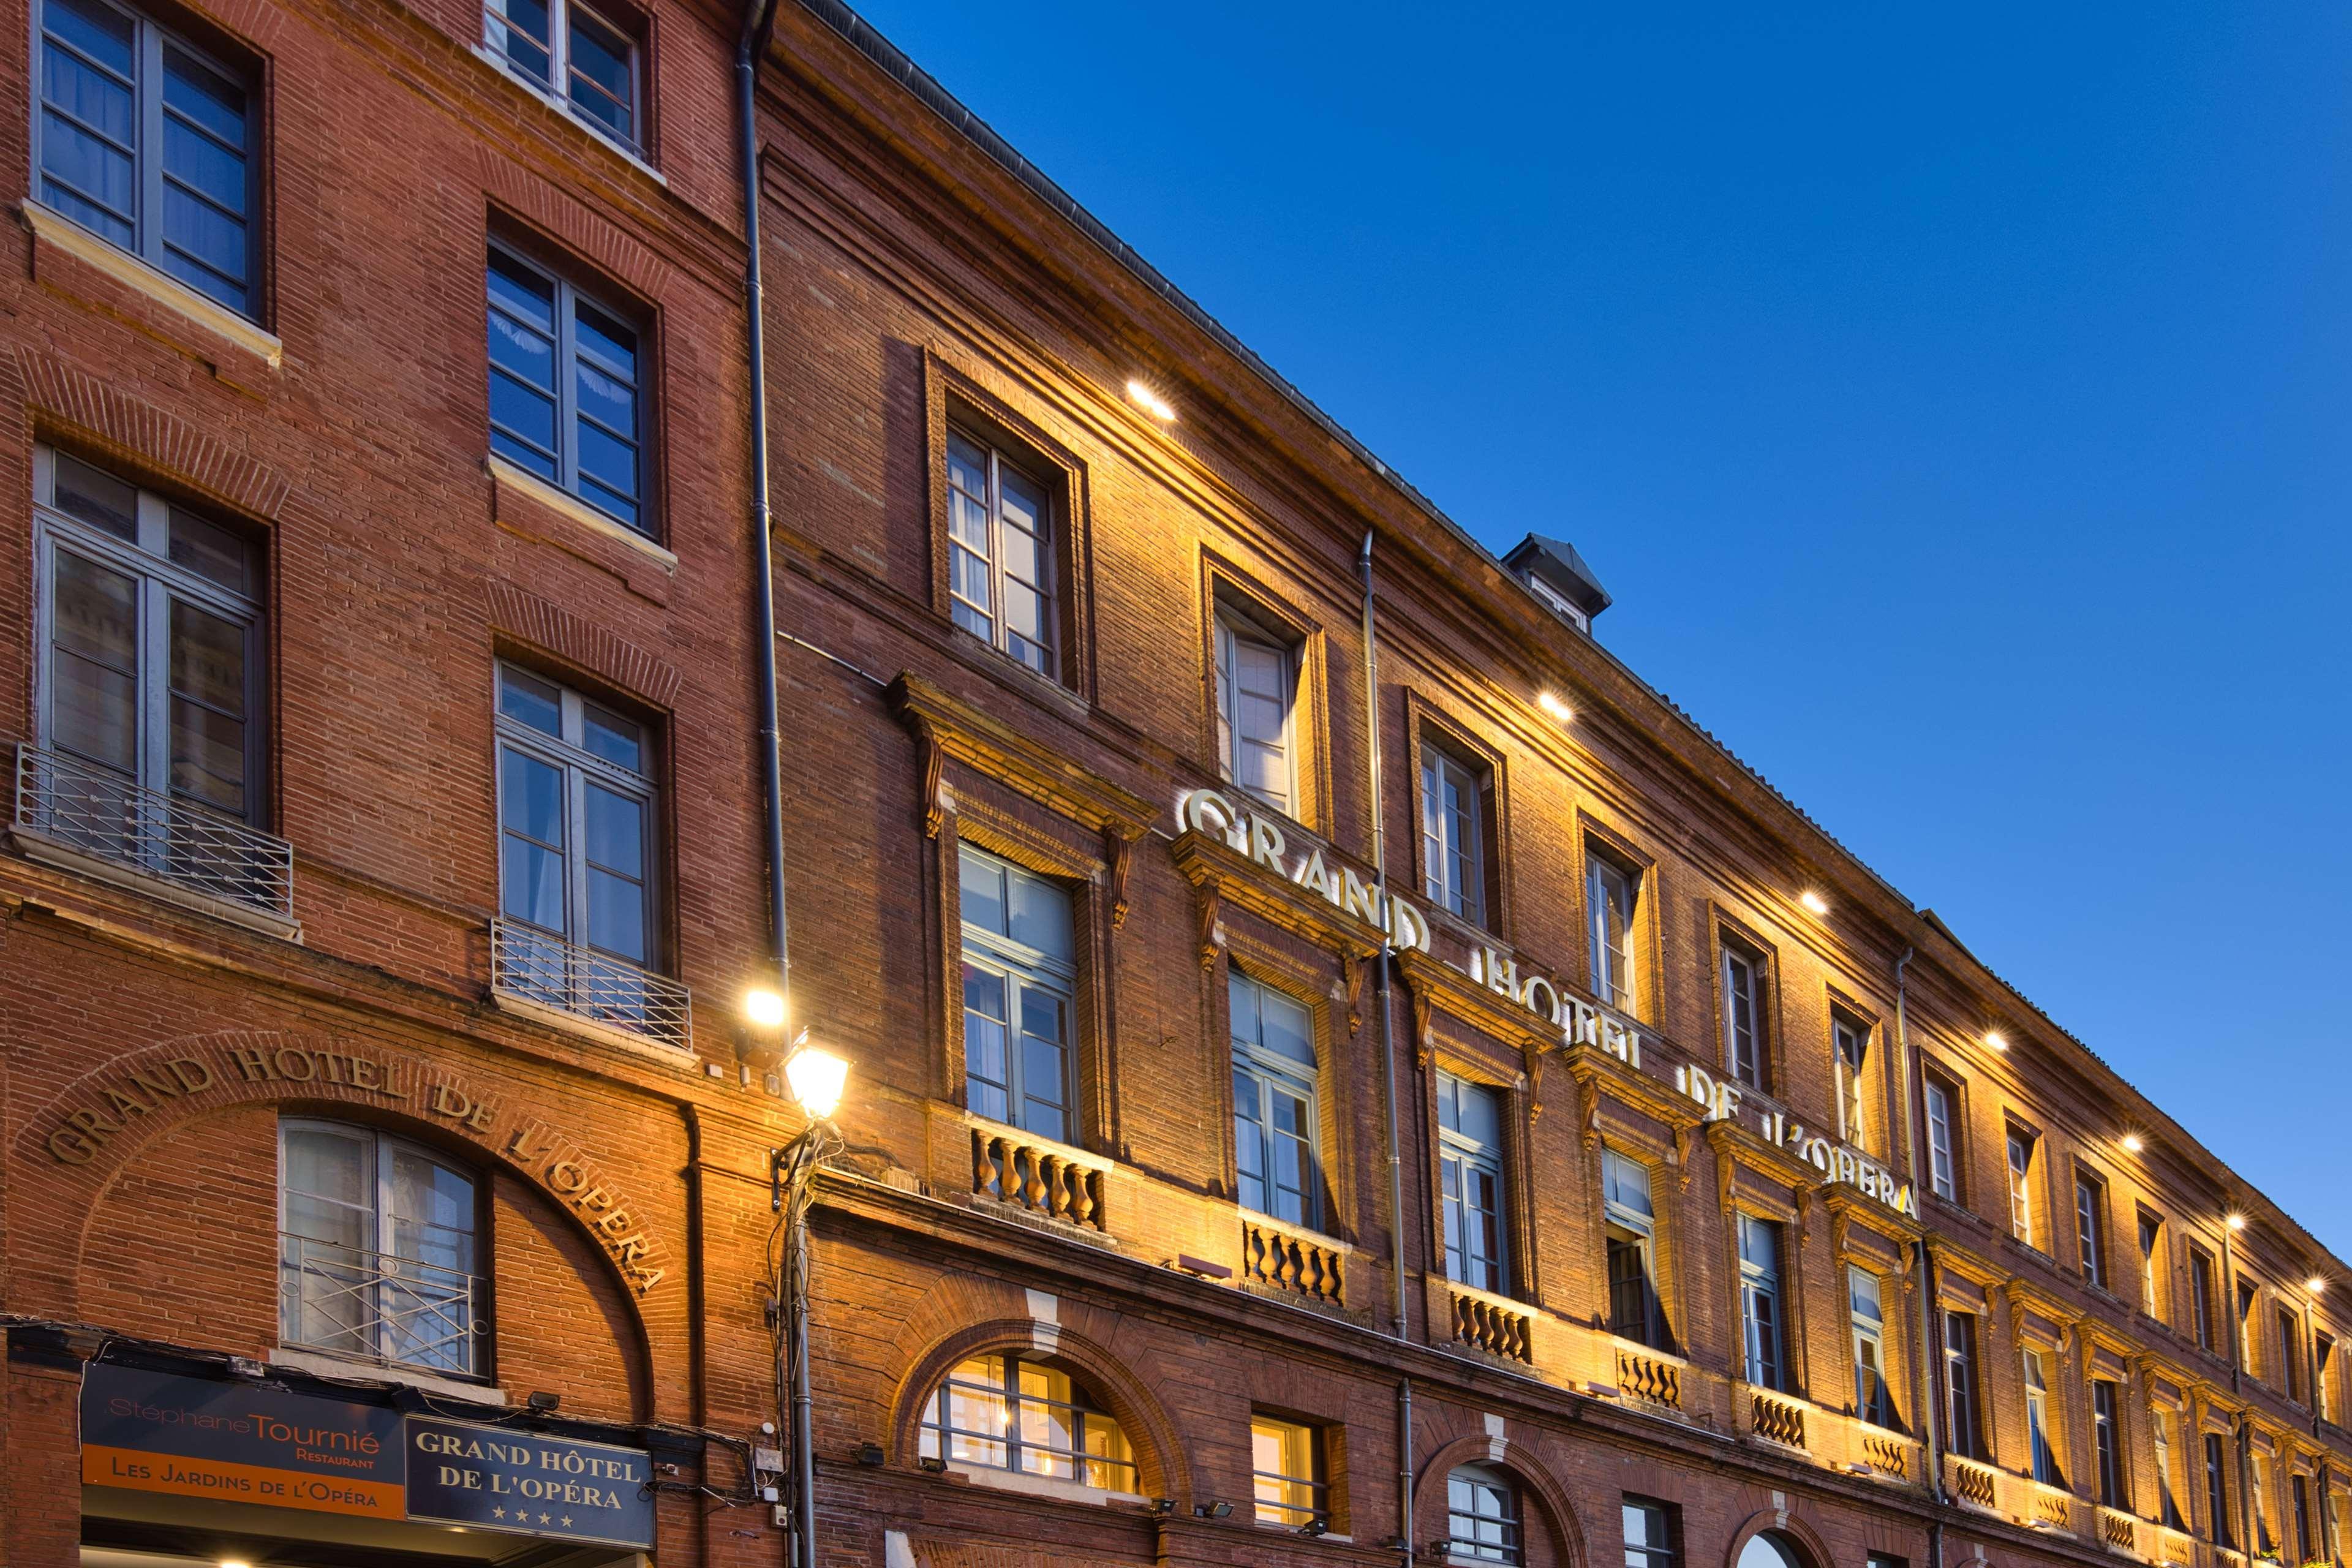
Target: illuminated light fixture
(765,1008)
(235,1563)
(1553,703)
(817,1077)
(2236,1222)
(1813,901)
(2133,1143)
(2314,1284)
(1150,402)
(1993,1038)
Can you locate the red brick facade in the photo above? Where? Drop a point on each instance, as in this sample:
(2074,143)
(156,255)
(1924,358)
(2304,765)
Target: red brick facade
(923,290)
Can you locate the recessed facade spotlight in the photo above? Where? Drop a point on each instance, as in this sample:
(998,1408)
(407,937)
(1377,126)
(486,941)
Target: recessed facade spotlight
(1150,402)
(1813,901)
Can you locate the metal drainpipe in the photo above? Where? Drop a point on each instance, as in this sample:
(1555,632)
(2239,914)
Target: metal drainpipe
(1930,1344)
(1388,1054)
(750,47)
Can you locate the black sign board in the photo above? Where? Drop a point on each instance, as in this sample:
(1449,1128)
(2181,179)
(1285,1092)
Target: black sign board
(241,1442)
(495,1477)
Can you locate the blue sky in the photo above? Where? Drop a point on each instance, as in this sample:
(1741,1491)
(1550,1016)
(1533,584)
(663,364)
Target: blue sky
(1956,403)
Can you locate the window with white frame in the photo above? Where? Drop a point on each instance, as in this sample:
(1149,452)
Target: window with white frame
(2151,1265)
(149,144)
(2217,1490)
(1470,1158)
(1743,1015)
(1257,693)
(378,1256)
(1276,1127)
(1762,1327)
(2202,1304)
(575,845)
(2168,1480)
(1650,1530)
(584,55)
(1482,1515)
(2020,1188)
(2106,1442)
(1942,1173)
(1636,1312)
(567,390)
(2091,1229)
(2322,1375)
(1027,1414)
(1963,1426)
(1452,836)
(1020,978)
(1611,896)
(1874,1400)
(2265,1538)
(1850,1048)
(2290,1344)
(149,682)
(2040,1434)
(1000,552)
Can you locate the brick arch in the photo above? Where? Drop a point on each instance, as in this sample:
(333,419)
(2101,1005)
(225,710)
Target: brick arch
(563,218)
(1159,1463)
(584,642)
(61,396)
(1524,1467)
(56,1191)
(1779,1521)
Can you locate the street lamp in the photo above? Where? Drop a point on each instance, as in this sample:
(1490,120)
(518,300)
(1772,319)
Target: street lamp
(816,1078)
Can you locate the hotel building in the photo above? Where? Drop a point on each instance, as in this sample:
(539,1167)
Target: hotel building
(1341,1070)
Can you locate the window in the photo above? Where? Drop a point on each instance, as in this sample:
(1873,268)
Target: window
(2249,1331)
(2037,1430)
(1650,1530)
(1759,1303)
(1482,1515)
(2160,1423)
(2151,1266)
(150,675)
(2340,1513)
(377,1255)
(1258,691)
(2107,1443)
(1452,836)
(1962,1432)
(1470,1157)
(2201,1296)
(1942,1176)
(1635,1312)
(575,849)
(2217,1490)
(588,53)
(565,391)
(2290,1343)
(1277,1129)
(1014,1412)
(2265,1540)
(1020,974)
(2021,1186)
(1849,1042)
(2302,1490)
(2091,1229)
(1610,892)
(1001,549)
(2322,1375)
(1288,1461)
(1743,1015)
(148,144)
(1872,1400)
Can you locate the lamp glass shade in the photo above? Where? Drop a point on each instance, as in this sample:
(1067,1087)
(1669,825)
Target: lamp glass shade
(816,1079)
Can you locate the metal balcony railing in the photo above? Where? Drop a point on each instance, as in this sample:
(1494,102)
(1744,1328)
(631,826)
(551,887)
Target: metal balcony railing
(533,966)
(373,1305)
(99,813)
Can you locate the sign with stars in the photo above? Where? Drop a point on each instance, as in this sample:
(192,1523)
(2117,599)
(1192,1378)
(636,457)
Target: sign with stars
(527,1483)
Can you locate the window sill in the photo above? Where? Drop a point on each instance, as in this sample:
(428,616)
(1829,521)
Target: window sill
(635,159)
(557,499)
(1039,1486)
(323,1364)
(589,1028)
(51,226)
(48,851)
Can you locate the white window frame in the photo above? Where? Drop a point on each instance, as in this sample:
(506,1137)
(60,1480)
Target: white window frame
(2106,1444)
(1875,1406)
(2020,1183)
(1963,1409)
(1628,1224)
(1763,1325)
(2043,1449)
(1743,987)
(1850,1054)
(1453,838)
(580,767)
(1941,1170)
(1497,1533)
(1270,1073)
(964,609)
(558,83)
(1615,973)
(1025,969)
(2091,1228)
(1235,632)
(1459,1156)
(566,301)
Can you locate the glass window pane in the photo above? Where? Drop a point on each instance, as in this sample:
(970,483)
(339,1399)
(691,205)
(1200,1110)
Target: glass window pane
(1041,915)
(208,757)
(98,499)
(604,338)
(522,293)
(98,101)
(211,171)
(532,877)
(617,740)
(1286,1029)
(530,797)
(99,31)
(616,831)
(611,462)
(89,181)
(533,702)
(600,84)
(209,551)
(607,399)
(982,880)
(616,915)
(206,97)
(519,29)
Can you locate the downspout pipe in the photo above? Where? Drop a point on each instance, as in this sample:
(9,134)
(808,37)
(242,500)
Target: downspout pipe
(1386,981)
(759,24)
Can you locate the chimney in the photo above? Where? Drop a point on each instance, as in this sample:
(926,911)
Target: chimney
(1557,576)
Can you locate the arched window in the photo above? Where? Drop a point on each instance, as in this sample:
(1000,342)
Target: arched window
(1482,1515)
(1011,1411)
(377,1249)
(1770,1549)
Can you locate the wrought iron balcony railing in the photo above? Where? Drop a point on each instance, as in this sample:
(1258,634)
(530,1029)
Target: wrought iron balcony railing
(94,812)
(533,966)
(373,1305)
